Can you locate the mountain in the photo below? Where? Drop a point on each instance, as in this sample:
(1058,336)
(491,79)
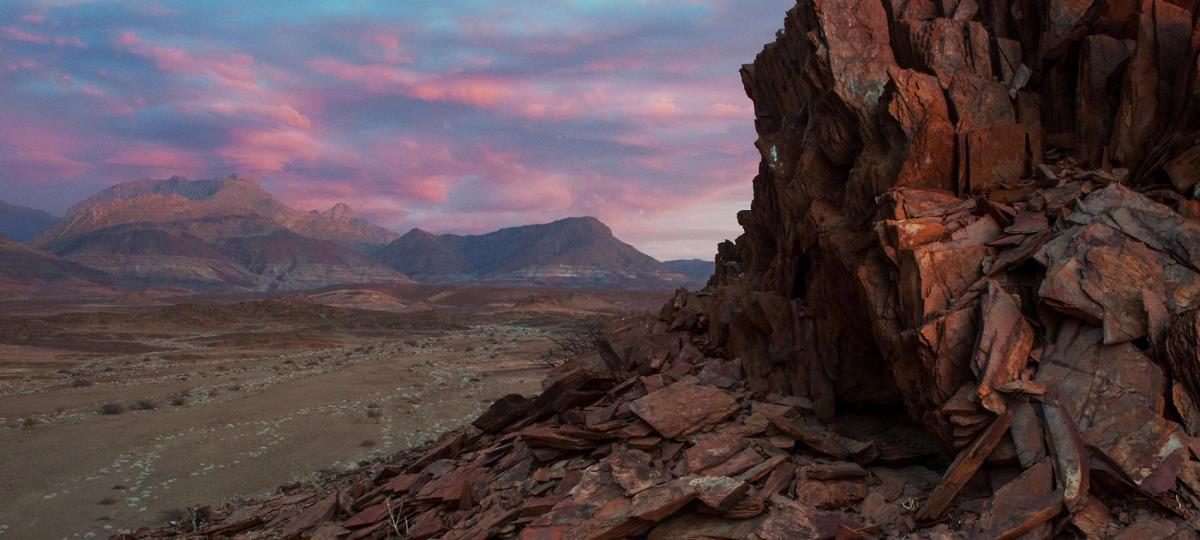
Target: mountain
(697,270)
(579,251)
(25,272)
(215,235)
(219,208)
(141,257)
(19,223)
(287,261)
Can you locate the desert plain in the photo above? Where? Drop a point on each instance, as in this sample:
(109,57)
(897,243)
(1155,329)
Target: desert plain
(119,415)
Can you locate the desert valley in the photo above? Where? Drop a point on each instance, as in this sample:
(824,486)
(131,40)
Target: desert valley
(958,297)
(174,341)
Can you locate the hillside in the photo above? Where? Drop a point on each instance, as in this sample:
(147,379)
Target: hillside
(697,270)
(141,258)
(288,261)
(19,223)
(26,273)
(574,251)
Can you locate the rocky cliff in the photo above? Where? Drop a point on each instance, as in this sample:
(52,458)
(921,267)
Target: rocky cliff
(964,306)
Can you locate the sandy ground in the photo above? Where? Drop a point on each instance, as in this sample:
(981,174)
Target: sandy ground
(205,404)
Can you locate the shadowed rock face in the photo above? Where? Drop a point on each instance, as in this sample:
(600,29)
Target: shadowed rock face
(572,251)
(902,168)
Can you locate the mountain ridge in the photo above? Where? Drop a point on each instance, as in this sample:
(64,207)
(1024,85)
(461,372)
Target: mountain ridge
(576,250)
(234,197)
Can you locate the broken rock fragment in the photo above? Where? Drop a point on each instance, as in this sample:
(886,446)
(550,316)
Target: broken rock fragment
(683,407)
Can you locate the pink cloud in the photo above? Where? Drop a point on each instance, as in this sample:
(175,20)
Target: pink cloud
(234,70)
(615,64)
(16,34)
(281,114)
(32,152)
(257,150)
(386,47)
(430,189)
(157,157)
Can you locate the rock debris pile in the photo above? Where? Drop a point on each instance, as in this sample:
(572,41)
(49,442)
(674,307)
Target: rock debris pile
(964,306)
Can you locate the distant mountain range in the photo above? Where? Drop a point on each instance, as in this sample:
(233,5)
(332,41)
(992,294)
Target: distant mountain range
(228,234)
(572,251)
(697,270)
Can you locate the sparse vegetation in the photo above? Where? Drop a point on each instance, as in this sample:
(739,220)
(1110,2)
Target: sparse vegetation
(367,443)
(81,383)
(106,501)
(179,400)
(28,422)
(111,409)
(143,405)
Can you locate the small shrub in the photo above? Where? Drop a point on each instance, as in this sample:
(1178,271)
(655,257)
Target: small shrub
(367,443)
(111,409)
(234,387)
(143,405)
(178,401)
(81,383)
(28,422)
(106,501)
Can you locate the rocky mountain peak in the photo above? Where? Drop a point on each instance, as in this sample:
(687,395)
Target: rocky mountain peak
(341,212)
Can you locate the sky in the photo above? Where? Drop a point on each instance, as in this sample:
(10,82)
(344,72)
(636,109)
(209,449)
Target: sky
(455,116)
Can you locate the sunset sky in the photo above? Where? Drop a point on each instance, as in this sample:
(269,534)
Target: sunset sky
(451,115)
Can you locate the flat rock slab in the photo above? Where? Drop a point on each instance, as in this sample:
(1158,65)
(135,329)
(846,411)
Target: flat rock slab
(682,408)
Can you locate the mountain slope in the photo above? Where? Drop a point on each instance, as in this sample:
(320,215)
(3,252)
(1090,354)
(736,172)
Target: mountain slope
(574,251)
(287,261)
(19,223)
(25,272)
(697,270)
(141,257)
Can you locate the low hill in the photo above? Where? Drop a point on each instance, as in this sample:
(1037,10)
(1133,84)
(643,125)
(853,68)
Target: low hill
(19,223)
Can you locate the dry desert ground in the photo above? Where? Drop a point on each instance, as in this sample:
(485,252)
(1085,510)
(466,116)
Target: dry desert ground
(121,415)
